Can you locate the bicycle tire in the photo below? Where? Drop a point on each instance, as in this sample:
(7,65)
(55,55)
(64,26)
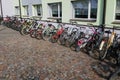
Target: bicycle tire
(69,42)
(72,47)
(38,36)
(53,38)
(61,39)
(46,35)
(87,47)
(93,52)
(115,76)
(23,31)
(33,34)
(77,49)
(103,52)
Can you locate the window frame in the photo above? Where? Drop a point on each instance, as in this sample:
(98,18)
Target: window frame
(89,11)
(36,9)
(26,10)
(116,12)
(17,10)
(59,9)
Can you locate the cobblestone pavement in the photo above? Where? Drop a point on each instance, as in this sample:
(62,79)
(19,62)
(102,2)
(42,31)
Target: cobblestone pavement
(25,58)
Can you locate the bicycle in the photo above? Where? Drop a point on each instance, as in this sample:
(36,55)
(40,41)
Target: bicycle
(38,34)
(47,32)
(72,37)
(27,25)
(56,34)
(115,75)
(63,36)
(33,30)
(106,43)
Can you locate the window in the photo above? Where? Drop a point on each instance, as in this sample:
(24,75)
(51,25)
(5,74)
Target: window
(37,10)
(55,9)
(117,13)
(26,10)
(85,9)
(17,10)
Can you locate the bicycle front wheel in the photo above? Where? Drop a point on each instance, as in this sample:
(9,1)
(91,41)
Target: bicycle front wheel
(46,35)
(115,76)
(24,31)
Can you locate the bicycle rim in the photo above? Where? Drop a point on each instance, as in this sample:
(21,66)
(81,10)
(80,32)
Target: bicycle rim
(24,32)
(53,39)
(46,35)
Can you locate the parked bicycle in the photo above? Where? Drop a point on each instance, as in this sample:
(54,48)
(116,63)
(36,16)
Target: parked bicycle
(56,34)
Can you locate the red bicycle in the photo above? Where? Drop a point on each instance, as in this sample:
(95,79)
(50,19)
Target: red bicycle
(55,36)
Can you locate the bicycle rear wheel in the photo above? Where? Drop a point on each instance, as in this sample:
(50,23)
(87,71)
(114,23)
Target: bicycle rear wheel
(61,39)
(103,52)
(73,46)
(54,38)
(46,35)
(115,76)
(67,43)
(38,34)
(24,31)
(33,34)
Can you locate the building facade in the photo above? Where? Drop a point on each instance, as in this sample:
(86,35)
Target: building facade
(112,13)
(7,8)
(29,8)
(80,11)
(84,12)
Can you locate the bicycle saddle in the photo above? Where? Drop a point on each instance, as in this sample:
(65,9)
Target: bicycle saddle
(49,24)
(108,31)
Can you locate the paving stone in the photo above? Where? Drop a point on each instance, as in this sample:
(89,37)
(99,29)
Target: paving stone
(25,58)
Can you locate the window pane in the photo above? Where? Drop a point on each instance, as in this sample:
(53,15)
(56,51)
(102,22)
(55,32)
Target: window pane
(118,10)
(38,10)
(81,8)
(94,8)
(60,10)
(17,10)
(54,9)
(26,10)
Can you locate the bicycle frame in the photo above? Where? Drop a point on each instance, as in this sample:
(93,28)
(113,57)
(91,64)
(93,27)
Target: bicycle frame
(108,43)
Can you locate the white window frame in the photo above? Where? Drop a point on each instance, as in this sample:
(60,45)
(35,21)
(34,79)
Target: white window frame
(35,10)
(89,11)
(26,12)
(17,10)
(58,8)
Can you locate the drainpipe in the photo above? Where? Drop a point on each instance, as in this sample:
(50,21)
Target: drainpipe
(104,12)
(20,9)
(1,9)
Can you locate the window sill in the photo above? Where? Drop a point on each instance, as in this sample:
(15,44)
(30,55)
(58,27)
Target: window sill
(116,22)
(25,16)
(17,15)
(83,20)
(36,17)
(56,18)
